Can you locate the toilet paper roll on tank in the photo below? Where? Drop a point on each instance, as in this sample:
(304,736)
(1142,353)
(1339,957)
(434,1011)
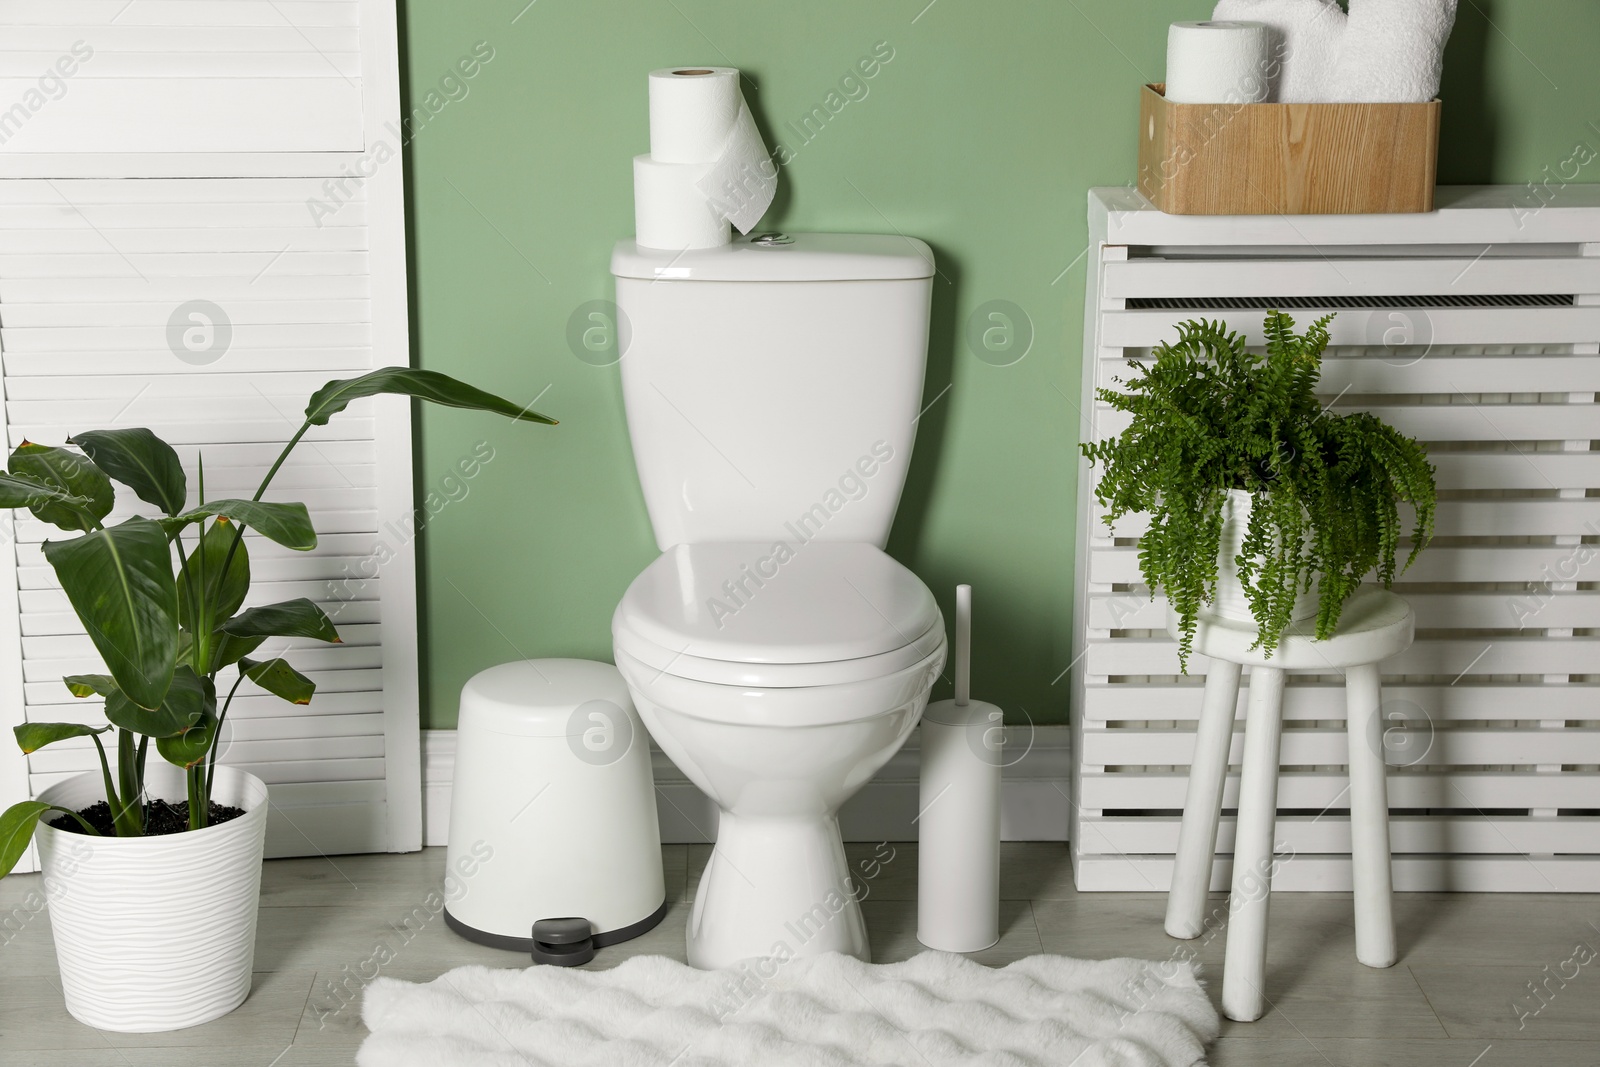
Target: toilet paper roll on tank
(707,171)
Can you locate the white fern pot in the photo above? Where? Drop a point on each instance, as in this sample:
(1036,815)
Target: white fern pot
(1230,602)
(156,933)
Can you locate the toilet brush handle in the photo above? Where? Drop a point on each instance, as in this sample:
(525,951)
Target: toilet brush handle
(963,643)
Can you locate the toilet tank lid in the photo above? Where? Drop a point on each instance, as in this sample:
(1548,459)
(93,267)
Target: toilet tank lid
(809,257)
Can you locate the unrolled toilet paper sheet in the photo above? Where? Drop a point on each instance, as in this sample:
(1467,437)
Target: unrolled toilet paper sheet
(744,179)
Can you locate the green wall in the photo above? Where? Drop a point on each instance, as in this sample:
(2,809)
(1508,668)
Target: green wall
(981,135)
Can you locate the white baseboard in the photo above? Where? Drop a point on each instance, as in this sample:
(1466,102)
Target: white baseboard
(1034,805)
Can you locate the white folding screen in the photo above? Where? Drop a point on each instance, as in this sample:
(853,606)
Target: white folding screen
(198,76)
(1475,329)
(173,255)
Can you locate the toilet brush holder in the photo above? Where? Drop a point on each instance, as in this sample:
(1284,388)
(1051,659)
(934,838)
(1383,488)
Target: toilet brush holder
(958,841)
(958,837)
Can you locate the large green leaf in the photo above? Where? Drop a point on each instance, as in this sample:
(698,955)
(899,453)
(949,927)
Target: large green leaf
(88,685)
(226,649)
(17,824)
(184,706)
(422,384)
(18,492)
(223,593)
(32,736)
(190,747)
(279,679)
(291,618)
(287,524)
(120,583)
(71,473)
(140,460)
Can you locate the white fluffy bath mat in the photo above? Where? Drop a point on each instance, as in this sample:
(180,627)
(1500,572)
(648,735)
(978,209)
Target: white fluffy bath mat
(823,1011)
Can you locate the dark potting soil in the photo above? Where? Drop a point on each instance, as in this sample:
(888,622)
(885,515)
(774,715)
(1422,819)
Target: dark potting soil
(160,818)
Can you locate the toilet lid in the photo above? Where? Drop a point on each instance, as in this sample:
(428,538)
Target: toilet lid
(749,606)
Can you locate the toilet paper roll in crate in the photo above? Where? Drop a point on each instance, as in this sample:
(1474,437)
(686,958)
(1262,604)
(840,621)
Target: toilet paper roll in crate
(1218,62)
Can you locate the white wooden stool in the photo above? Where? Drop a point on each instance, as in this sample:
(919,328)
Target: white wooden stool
(1375,625)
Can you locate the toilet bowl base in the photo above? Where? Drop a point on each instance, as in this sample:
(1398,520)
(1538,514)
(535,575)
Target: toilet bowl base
(776,886)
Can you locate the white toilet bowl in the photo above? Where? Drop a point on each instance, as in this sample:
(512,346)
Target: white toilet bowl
(779,713)
(773,388)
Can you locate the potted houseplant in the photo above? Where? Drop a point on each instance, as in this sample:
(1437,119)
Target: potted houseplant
(160,859)
(1264,506)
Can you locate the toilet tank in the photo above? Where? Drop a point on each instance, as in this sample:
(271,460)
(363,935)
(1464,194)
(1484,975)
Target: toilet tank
(772,389)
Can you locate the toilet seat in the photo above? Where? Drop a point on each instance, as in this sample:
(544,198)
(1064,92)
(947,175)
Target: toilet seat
(778,675)
(777,615)
(776,707)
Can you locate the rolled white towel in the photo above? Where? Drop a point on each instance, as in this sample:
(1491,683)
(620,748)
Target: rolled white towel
(1393,51)
(1306,42)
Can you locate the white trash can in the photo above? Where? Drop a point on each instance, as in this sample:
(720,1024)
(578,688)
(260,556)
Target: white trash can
(552,812)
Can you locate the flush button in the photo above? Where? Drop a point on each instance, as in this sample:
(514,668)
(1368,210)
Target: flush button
(771,238)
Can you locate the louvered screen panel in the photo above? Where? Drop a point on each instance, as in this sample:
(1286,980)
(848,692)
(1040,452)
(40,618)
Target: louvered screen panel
(180,76)
(92,276)
(1479,338)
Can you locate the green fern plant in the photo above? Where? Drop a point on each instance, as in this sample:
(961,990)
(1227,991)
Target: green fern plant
(1210,416)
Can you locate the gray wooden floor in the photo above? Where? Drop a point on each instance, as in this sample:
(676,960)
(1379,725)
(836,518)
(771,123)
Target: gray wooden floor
(329,924)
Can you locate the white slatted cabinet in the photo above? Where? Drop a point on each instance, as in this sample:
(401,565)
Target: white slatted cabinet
(1475,329)
(177,165)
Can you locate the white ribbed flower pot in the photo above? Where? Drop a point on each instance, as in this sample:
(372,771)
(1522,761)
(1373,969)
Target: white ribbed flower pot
(156,933)
(1230,602)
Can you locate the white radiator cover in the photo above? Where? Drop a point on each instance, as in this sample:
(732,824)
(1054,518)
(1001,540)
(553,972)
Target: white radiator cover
(1475,329)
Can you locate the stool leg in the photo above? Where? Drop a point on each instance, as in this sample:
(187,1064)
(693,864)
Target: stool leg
(1245,965)
(1202,807)
(1369,820)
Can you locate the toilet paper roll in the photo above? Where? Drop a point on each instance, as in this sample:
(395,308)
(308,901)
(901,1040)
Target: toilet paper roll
(1393,51)
(698,116)
(669,209)
(692,112)
(1217,62)
(1304,44)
